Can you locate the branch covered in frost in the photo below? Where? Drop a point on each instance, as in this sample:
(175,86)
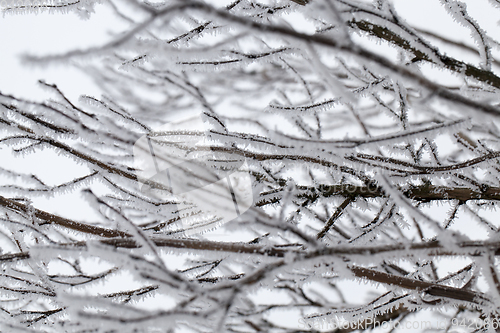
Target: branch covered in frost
(254,149)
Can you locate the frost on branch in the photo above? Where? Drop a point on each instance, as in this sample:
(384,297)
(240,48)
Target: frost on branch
(83,8)
(250,161)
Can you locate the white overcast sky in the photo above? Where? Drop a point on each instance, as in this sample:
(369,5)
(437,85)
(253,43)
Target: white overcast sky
(49,34)
(55,33)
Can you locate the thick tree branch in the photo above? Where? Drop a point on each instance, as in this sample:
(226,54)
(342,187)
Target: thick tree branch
(433,289)
(449,63)
(54,219)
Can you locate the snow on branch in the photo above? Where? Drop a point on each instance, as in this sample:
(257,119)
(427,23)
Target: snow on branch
(250,159)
